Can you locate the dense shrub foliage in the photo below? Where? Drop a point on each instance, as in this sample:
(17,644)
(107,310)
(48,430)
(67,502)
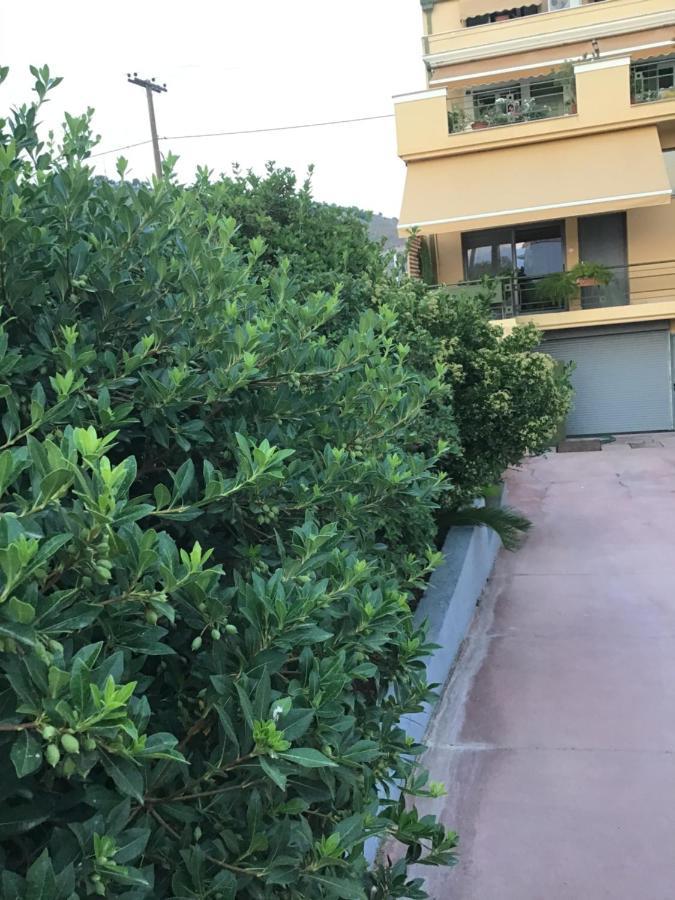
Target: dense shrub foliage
(499,397)
(324,244)
(210,529)
(227,428)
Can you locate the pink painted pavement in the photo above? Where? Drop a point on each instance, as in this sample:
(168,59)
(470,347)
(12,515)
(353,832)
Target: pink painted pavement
(556,734)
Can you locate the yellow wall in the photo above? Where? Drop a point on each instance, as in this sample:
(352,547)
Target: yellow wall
(450,266)
(651,252)
(445,16)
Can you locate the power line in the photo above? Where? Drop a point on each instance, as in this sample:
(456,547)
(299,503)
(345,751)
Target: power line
(125,147)
(212,134)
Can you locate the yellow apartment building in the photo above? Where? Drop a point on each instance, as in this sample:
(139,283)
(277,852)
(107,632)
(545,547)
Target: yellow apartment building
(542,157)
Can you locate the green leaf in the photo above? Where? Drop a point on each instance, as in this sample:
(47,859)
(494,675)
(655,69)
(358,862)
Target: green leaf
(245,704)
(21,633)
(23,817)
(273,772)
(80,678)
(40,879)
(20,612)
(26,754)
(297,723)
(54,482)
(342,888)
(130,844)
(127,777)
(184,478)
(307,757)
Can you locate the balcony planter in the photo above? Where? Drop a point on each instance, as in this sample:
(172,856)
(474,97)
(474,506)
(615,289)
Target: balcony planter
(502,17)
(479,123)
(588,274)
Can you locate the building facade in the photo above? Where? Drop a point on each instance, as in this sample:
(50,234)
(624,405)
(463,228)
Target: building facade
(542,155)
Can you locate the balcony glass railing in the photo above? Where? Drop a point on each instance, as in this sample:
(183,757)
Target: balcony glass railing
(652,79)
(519,295)
(518,12)
(489,106)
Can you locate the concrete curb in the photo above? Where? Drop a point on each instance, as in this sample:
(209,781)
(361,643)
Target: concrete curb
(448,606)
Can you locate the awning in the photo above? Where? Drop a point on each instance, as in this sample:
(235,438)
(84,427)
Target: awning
(555,179)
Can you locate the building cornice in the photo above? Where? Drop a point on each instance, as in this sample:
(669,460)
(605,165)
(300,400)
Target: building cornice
(553,38)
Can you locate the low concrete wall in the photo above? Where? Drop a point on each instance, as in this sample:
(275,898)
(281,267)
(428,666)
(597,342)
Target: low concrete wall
(449,603)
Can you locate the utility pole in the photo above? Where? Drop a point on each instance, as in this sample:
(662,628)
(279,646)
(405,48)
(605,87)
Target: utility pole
(151,87)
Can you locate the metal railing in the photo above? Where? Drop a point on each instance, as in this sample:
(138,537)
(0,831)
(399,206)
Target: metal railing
(514,294)
(489,106)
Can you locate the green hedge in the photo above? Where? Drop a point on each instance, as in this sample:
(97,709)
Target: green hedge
(210,529)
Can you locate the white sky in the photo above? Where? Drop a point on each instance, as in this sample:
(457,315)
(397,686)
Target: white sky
(229,65)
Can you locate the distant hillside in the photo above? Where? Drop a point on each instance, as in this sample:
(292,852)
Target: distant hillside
(382,227)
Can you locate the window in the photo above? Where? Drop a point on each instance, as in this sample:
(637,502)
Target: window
(651,80)
(529,251)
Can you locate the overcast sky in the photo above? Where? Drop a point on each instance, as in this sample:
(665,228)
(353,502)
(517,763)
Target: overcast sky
(230,65)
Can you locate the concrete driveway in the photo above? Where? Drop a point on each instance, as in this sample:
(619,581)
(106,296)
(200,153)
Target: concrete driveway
(556,734)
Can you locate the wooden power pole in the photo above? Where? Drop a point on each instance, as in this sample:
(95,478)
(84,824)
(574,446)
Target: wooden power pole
(151,87)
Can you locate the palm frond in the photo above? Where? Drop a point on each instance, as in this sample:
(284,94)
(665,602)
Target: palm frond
(508,523)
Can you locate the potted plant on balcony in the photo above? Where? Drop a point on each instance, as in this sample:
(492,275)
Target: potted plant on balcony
(589,274)
(498,114)
(555,291)
(456,120)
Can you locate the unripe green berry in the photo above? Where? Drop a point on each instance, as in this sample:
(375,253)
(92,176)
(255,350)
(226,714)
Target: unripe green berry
(48,732)
(89,744)
(196,644)
(215,634)
(70,743)
(151,617)
(52,755)
(69,767)
(231,629)
(201,606)
(197,833)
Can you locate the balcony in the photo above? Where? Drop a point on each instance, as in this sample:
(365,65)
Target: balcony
(513,295)
(568,102)
(490,106)
(551,28)
(652,80)
(519,12)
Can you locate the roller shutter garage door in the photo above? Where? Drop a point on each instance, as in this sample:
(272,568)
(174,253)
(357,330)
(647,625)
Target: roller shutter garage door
(622,379)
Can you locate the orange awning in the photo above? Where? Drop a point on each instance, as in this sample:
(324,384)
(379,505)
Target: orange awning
(556,179)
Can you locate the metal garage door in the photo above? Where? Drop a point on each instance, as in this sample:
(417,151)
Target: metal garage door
(622,380)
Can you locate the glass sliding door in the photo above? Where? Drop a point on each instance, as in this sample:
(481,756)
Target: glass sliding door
(602,239)
(517,258)
(538,251)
